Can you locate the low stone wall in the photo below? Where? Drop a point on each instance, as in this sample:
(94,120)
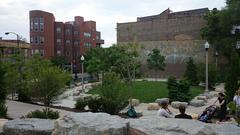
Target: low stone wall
(105,124)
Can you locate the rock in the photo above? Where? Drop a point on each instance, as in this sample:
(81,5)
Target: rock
(168,126)
(159,100)
(226,129)
(176,104)
(196,103)
(153,106)
(204,98)
(134,102)
(28,126)
(214,93)
(2,122)
(83,97)
(90,124)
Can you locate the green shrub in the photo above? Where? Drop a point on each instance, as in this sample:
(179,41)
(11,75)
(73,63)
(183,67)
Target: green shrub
(191,72)
(80,104)
(23,96)
(114,93)
(46,113)
(95,104)
(232,107)
(3,110)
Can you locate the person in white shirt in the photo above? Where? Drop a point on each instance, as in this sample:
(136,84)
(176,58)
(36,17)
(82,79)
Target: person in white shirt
(164,111)
(236,100)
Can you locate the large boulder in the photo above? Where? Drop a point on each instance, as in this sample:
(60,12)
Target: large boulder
(176,104)
(90,124)
(134,102)
(153,106)
(153,125)
(204,98)
(197,103)
(160,100)
(2,122)
(28,126)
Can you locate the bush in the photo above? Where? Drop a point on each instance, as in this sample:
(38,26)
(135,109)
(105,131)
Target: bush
(178,91)
(212,74)
(46,113)
(95,104)
(3,110)
(232,107)
(23,96)
(114,94)
(3,91)
(80,104)
(191,72)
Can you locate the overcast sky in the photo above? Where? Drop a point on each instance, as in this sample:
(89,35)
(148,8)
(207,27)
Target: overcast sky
(14,14)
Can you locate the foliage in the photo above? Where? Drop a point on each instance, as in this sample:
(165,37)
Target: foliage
(95,104)
(232,107)
(113,93)
(231,84)
(3,110)
(156,60)
(48,84)
(2,84)
(80,104)
(59,61)
(178,91)
(45,113)
(191,72)
(212,74)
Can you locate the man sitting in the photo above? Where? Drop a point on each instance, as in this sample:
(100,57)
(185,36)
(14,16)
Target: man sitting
(182,114)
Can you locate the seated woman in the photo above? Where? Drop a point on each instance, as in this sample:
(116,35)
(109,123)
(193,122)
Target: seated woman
(164,111)
(182,114)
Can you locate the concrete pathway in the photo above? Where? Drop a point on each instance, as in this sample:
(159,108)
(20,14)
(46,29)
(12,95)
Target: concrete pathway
(19,109)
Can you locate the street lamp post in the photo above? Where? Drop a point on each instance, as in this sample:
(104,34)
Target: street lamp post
(82,60)
(238,47)
(206,48)
(7,33)
(216,55)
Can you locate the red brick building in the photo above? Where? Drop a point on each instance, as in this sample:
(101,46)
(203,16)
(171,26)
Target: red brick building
(70,39)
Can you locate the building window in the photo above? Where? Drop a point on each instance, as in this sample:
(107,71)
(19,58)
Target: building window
(87,45)
(36,39)
(31,24)
(36,51)
(58,30)
(41,52)
(32,52)
(58,52)
(97,37)
(86,34)
(68,42)
(67,53)
(76,43)
(76,33)
(41,24)
(67,31)
(41,40)
(59,41)
(35,24)
(31,39)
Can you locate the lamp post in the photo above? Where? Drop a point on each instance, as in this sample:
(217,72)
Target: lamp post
(7,33)
(82,60)
(216,55)
(238,47)
(206,45)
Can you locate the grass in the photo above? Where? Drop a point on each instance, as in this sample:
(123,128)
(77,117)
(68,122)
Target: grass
(149,91)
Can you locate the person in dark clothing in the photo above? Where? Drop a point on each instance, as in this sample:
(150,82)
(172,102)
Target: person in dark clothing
(182,114)
(223,106)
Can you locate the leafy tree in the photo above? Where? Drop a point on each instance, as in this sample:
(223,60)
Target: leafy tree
(156,60)
(2,84)
(172,88)
(191,72)
(212,74)
(231,84)
(113,93)
(60,61)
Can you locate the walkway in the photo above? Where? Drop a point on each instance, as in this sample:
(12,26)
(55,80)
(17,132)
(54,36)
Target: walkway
(19,109)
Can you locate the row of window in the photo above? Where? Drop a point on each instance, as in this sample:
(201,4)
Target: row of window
(76,33)
(37,51)
(37,24)
(67,42)
(38,40)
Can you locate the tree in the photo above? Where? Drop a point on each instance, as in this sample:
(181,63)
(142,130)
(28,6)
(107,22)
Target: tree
(48,84)
(59,61)
(156,60)
(3,92)
(172,88)
(191,72)
(113,93)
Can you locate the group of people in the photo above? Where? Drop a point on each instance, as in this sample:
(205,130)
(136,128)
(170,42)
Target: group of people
(164,111)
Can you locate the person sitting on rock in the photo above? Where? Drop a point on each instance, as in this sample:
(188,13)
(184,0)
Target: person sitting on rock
(164,111)
(182,114)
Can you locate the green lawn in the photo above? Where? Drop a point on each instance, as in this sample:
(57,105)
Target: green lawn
(147,91)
